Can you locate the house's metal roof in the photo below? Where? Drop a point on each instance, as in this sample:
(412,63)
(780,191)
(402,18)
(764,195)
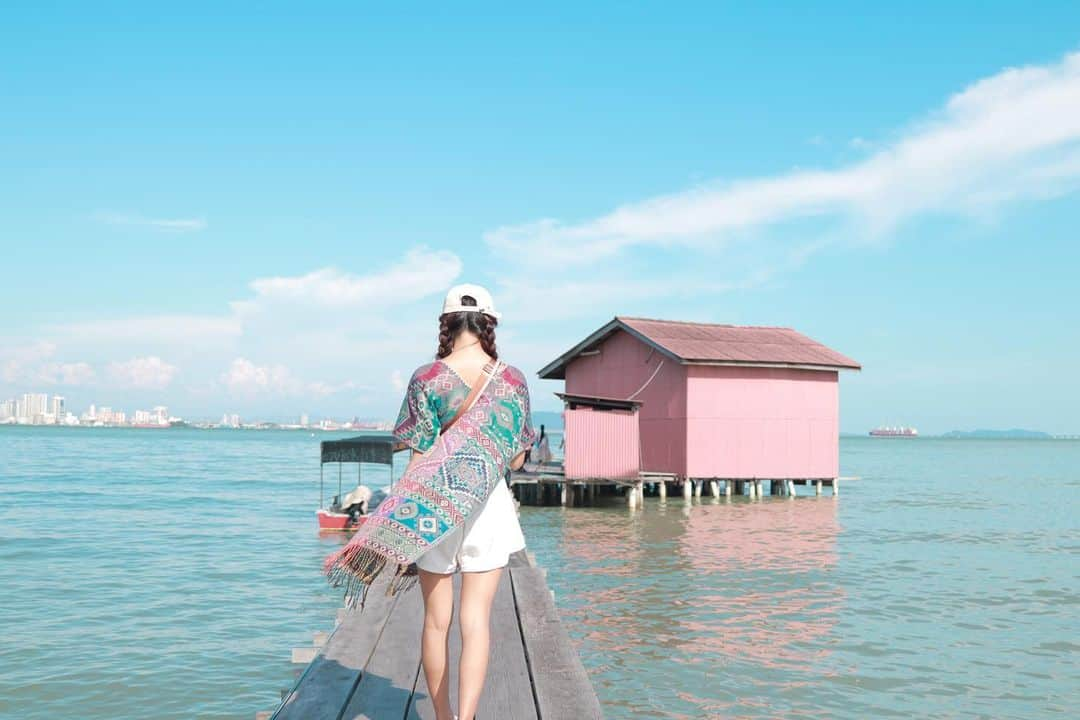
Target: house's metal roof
(599,401)
(713,344)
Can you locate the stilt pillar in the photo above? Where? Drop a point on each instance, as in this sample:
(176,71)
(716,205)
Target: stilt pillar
(687,489)
(836,486)
(698,486)
(714,488)
(565,495)
(727,488)
(817,487)
(661,487)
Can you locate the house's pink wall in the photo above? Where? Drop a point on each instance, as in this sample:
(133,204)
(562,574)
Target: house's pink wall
(623,366)
(719,421)
(762,422)
(601,444)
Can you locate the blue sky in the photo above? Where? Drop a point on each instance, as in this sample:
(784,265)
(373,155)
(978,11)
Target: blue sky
(258,211)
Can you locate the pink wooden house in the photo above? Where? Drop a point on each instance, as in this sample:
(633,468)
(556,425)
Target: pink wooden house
(708,402)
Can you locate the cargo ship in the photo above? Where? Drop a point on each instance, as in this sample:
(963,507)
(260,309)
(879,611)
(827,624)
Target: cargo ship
(899,431)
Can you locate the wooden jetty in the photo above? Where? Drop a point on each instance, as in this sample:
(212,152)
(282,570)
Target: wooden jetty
(369,667)
(548,485)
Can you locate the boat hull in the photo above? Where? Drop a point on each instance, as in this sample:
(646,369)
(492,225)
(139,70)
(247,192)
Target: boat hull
(337,521)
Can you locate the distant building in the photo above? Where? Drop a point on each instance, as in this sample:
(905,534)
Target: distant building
(304,420)
(7,410)
(57,407)
(705,401)
(31,408)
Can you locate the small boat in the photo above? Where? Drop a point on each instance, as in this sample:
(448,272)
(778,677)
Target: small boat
(339,514)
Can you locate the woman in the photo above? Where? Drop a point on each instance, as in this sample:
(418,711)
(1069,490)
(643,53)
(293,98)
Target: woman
(466,418)
(543,448)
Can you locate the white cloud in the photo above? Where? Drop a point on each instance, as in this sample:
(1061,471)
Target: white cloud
(397,381)
(1012,135)
(19,361)
(142,372)
(420,273)
(34,364)
(55,373)
(152,330)
(246,379)
(162,224)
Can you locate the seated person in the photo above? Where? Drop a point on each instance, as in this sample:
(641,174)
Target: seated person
(356,502)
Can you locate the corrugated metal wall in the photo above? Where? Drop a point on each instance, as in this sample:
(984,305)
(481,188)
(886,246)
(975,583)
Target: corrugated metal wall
(601,444)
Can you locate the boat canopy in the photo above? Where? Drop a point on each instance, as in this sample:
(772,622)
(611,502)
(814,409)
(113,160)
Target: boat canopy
(375,447)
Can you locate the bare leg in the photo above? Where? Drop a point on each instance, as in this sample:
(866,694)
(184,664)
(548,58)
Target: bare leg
(438,591)
(477,592)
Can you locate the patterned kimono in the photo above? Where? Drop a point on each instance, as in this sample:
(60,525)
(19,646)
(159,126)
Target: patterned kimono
(447,484)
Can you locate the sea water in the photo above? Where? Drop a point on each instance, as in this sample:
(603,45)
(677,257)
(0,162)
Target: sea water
(168,574)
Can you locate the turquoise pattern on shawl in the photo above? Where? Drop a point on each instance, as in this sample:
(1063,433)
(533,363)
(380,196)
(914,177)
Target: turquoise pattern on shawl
(445,486)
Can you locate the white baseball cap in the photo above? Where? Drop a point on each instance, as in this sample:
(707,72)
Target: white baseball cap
(484,303)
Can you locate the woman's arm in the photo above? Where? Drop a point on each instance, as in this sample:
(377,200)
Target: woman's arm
(517,461)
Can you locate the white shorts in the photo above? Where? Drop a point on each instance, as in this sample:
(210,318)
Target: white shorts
(484,542)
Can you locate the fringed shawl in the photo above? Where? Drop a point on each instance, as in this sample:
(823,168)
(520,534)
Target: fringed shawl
(442,488)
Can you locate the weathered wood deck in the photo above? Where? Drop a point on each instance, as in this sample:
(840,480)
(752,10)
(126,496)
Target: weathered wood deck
(370,665)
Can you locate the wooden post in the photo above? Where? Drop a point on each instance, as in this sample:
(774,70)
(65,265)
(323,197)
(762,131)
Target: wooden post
(817,487)
(714,488)
(687,488)
(630,496)
(835,486)
(727,489)
(639,492)
(757,489)
(564,497)
(697,488)
(662,488)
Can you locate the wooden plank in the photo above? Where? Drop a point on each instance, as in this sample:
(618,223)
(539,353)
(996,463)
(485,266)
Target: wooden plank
(326,685)
(563,690)
(507,688)
(387,681)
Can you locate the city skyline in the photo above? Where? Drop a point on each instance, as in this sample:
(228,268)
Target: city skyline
(36,408)
(172,241)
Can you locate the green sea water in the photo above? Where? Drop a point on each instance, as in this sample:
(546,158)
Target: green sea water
(167,574)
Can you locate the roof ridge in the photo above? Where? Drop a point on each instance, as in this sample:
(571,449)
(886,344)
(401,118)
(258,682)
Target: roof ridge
(692,322)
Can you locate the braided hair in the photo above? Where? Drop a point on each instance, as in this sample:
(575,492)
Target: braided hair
(453,324)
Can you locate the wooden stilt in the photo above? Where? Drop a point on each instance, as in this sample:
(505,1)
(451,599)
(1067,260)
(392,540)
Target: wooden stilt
(639,490)
(714,488)
(565,495)
(698,487)
(631,496)
(817,487)
(727,488)
(687,489)
(836,486)
(662,489)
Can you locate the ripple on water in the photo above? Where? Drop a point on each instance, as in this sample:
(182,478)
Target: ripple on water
(187,566)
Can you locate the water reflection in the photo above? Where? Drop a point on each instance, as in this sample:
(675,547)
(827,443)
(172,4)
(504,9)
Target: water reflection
(690,588)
